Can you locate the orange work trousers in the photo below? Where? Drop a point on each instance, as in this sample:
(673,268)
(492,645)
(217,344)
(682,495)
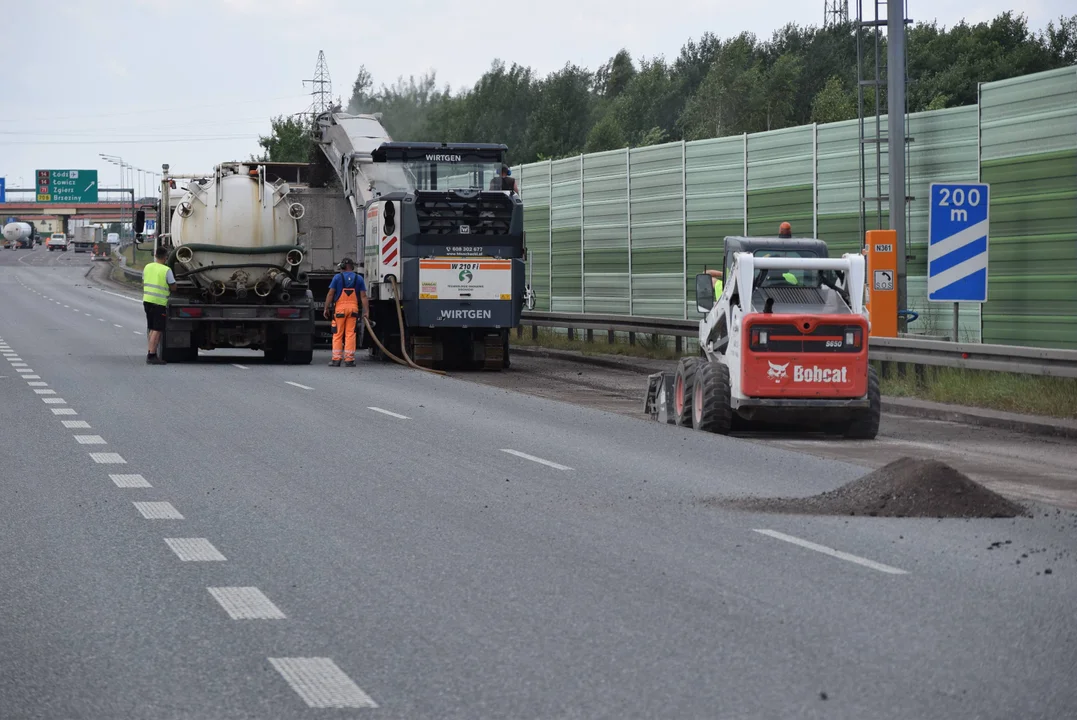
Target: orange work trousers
(345,323)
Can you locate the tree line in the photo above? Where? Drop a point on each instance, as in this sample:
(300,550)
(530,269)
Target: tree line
(713,88)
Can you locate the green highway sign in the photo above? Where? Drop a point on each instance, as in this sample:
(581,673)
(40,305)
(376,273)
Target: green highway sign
(67,186)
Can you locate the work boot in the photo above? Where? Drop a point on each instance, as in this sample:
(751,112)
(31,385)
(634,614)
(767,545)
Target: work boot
(349,363)
(155,361)
(334,363)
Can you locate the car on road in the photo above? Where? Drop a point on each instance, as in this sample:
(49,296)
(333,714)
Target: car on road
(57,241)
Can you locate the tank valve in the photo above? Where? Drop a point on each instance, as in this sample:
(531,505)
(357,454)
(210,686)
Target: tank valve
(296,210)
(294,257)
(241,291)
(217,288)
(184,209)
(184,254)
(262,288)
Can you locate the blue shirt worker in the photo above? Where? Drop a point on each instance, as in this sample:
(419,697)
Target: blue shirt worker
(348,287)
(157,283)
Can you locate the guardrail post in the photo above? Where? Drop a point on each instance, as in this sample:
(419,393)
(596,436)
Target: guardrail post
(534,332)
(679,343)
(571,334)
(520,331)
(610,337)
(590,335)
(631,338)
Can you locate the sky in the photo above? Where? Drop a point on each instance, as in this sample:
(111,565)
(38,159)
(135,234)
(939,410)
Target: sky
(193,83)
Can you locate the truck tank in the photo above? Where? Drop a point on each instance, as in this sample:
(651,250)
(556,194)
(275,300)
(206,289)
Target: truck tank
(18,233)
(236,233)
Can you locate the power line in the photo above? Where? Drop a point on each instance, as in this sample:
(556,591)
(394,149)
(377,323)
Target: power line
(160,110)
(127,142)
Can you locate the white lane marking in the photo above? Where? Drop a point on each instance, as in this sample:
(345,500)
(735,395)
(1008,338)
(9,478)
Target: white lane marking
(63,411)
(54,401)
(136,332)
(129,481)
(158,511)
(832,552)
(39,391)
(30,377)
(101,319)
(108,458)
(67,306)
(387,412)
(194,550)
(241,367)
(117,325)
(125,297)
(72,424)
(532,458)
(24,370)
(17,364)
(38,384)
(246,603)
(305,387)
(90,440)
(321,683)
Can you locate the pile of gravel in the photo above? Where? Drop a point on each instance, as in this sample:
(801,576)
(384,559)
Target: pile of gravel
(907,487)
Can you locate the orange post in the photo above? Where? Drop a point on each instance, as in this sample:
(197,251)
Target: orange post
(882,282)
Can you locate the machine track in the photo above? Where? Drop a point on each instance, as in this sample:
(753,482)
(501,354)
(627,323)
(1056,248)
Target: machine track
(494,353)
(422,350)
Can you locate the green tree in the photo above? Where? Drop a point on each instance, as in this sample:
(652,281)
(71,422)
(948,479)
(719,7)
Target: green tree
(833,103)
(606,134)
(288,141)
(561,119)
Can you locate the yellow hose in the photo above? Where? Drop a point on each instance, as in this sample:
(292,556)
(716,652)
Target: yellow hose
(400,319)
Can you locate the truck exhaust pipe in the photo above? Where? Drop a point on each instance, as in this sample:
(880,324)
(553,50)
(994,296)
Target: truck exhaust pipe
(184,254)
(294,257)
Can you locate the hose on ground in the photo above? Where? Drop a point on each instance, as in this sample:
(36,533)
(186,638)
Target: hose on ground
(400,319)
(370,329)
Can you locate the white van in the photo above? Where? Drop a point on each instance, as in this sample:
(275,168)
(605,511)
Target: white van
(57,241)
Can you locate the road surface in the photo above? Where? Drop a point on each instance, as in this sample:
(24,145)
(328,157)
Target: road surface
(231,539)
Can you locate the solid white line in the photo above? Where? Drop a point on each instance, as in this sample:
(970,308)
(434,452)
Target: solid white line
(321,683)
(246,603)
(387,412)
(194,550)
(90,440)
(125,297)
(832,552)
(532,458)
(130,481)
(72,424)
(241,367)
(54,401)
(108,458)
(158,511)
(298,385)
(63,411)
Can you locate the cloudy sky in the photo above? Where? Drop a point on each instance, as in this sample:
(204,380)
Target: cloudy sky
(192,83)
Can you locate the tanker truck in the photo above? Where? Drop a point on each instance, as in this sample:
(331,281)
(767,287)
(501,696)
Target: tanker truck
(234,248)
(19,235)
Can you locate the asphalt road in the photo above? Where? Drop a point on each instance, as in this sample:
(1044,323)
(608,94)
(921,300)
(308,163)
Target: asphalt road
(408,546)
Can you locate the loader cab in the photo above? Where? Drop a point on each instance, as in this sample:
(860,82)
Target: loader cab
(764,247)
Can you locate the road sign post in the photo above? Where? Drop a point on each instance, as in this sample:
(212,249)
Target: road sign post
(958,224)
(66,186)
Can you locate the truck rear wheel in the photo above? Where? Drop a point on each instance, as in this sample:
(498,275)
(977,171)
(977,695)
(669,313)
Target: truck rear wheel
(711,411)
(299,357)
(683,387)
(864,424)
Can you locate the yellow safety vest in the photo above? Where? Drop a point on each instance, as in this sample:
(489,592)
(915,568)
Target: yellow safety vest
(717,289)
(155,284)
(790,278)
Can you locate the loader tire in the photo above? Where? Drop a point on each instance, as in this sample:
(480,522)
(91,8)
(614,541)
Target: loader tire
(683,387)
(864,425)
(711,410)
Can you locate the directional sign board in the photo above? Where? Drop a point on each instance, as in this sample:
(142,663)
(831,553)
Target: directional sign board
(67,186)
(957,242)
(3,189)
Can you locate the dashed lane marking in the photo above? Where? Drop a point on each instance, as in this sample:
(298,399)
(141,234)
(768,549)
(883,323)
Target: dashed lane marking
(24,370)
(532,458)
(40,391)
(72,424)
(305,387)
(241,367)
(101,319)
(158,511)
(40,383)
(321,683)
(90,440)
(54,401)
(136,332)
(125,297)
(129,481)
(387,412)
(831,552)
(246,603)
(64,411)
(194,550)
(117,325)
(30,377)
(108,458)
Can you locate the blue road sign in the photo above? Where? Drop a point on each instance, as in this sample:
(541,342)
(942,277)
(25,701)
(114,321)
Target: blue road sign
(958,224)
(3,189)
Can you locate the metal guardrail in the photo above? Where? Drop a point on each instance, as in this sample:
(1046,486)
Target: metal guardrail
(906,350)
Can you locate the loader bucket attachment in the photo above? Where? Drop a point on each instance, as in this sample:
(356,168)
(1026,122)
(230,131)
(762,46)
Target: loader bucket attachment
(659,400)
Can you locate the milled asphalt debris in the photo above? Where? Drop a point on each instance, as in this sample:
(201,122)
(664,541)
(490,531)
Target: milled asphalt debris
(907,487)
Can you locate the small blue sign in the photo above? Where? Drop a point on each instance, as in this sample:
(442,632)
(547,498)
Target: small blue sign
(958,223)
(3,189)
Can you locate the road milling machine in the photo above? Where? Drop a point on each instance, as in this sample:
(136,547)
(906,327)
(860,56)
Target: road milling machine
(785,343)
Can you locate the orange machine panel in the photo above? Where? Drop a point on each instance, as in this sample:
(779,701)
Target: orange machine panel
(882,282)
(805,356)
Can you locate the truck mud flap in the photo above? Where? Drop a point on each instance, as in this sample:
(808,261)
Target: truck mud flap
(658,402)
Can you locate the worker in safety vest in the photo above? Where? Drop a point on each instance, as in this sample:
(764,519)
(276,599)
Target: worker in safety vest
(157,282)
(716,280)
(349,288)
